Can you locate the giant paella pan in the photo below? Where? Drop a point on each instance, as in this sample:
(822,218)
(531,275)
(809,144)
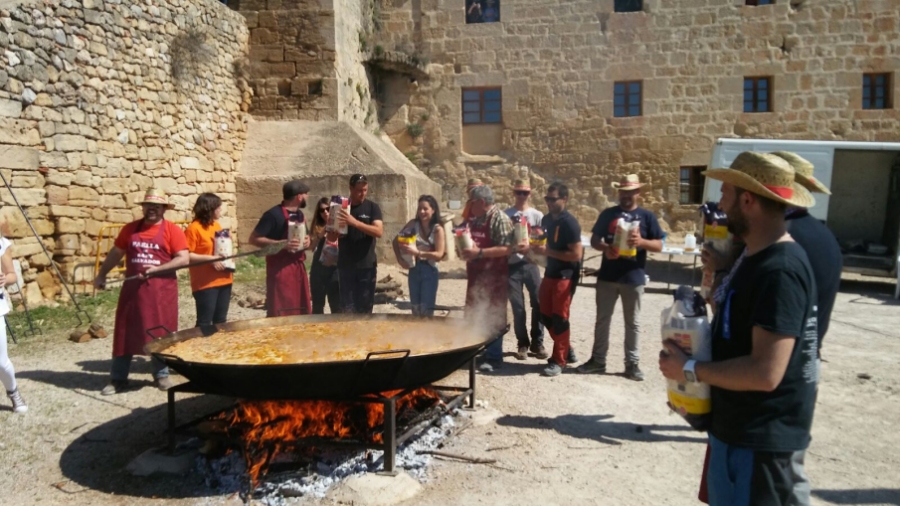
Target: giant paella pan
(320,356)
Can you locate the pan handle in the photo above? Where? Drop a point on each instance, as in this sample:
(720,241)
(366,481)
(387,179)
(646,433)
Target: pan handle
(150,331)
(371,354)
(386,352)
(167,356)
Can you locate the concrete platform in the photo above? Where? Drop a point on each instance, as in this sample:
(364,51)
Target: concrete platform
(376,490)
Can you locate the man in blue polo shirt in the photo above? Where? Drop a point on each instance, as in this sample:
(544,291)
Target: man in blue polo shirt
(622,277)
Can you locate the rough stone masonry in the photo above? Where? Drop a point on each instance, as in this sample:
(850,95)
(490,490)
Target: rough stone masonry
(100,100)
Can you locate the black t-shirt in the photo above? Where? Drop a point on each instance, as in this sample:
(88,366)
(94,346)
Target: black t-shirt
(561,232)
(825,258)
(357,249)
(273,226)
(775,290)
(629,271)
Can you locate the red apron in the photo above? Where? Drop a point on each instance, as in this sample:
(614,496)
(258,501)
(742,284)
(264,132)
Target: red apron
(488,282)
(145,304)
(287,285)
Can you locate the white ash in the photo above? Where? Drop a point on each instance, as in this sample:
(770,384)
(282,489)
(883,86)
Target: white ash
(228,474)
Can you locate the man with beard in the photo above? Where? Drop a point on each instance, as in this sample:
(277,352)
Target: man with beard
(487,271)
(563,252)
(148,245)
(622,277)
(762,374)
(357,263)
(287,283)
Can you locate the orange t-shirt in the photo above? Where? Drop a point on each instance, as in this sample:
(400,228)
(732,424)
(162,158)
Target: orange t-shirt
(201,240)
(173,237)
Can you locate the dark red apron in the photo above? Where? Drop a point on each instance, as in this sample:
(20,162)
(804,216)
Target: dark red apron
(488,282)
(287,285)
(148,303)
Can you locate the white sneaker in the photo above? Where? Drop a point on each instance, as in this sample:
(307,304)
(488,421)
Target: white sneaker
(18,404)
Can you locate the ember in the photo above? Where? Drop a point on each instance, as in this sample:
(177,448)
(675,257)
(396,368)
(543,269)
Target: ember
(267,428)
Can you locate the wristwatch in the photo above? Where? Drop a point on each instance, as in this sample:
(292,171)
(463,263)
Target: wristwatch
(688,371)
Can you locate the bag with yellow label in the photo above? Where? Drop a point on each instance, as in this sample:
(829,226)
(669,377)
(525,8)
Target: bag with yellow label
(686,323)
(624,228)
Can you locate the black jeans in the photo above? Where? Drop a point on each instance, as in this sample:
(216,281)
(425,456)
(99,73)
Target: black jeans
(212,305)
(324,282)
(527,275)
(357,289)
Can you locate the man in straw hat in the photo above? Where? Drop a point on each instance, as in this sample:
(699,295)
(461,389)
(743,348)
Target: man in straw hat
(472,184)
(148,245)
(287,282)
(523,273)
(487,271)
(762,372)
(622,276)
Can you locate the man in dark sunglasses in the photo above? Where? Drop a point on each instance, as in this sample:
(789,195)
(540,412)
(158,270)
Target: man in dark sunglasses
(524,274)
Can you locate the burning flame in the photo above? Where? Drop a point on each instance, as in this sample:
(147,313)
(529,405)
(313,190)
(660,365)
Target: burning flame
(266,428)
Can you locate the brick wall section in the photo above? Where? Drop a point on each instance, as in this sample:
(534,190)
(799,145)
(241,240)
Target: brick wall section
(100,101)
(557,61)
(292,55)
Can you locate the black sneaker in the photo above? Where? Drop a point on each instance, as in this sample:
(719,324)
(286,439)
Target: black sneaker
(571,358)
(633,372)
(591,367)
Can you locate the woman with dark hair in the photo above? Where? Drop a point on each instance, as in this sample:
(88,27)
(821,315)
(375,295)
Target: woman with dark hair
(323,279)
(210,283)
(422,255)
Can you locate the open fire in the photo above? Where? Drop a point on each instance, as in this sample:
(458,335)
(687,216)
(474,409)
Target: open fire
(267,429)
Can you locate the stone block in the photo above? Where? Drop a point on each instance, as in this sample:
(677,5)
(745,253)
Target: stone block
(27,197)
(57,195)
(10,108)
(60,178)
(20,132)
(70,226)
(67,142)
(19,158)
(66,211)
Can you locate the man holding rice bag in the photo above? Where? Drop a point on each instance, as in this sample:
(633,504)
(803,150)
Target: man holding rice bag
(624,233)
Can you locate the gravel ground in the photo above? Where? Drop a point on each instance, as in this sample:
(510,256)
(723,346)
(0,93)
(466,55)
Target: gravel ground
(572,439)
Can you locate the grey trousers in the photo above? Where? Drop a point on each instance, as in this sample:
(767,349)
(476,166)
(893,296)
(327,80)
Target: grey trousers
(607,295)
(527,275)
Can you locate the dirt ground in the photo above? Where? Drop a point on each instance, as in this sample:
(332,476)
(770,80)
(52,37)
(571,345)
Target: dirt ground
(570,440)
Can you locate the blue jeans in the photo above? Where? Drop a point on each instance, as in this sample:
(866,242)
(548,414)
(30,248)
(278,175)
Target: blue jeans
(423,286)
(121,365)
(494,351)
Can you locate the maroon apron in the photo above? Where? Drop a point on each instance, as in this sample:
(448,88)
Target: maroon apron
(287,285)
(487,282)
(145,303)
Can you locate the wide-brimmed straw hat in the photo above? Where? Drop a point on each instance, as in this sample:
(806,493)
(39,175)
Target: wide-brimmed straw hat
(521,185)
(766,175)
(473,183)
(803,172)
(629,182)
(156,196)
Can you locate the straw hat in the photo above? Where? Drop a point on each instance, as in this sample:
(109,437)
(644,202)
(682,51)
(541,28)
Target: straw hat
(521,185)
(473,183)
(766,175)
(629,182)
(803,171)
(156,196)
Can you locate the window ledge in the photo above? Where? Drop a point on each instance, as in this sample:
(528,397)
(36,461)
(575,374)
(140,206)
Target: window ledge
(467,158)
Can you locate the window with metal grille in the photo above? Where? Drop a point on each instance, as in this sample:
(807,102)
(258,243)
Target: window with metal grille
(759,2)
(629,5)
(692,181)
(627,99)
(482,105)
(482,11)
(757,94)
(876,91)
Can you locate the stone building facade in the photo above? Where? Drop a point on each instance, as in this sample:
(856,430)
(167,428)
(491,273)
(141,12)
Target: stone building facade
(102,99)
(557,63)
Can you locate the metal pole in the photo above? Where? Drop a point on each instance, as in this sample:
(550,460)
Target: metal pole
(390,434)
(78,310)
(472,383)
(171,409)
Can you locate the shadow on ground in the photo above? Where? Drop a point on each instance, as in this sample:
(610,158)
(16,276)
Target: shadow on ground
(94,375)
(599,428)
(862,496)
(98,458)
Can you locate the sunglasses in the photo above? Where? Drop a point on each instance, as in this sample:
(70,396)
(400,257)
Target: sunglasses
(551,200)
(522,193)
(357,178)
(323,209)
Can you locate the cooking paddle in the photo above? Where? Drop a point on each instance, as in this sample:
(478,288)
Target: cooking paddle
(265,251)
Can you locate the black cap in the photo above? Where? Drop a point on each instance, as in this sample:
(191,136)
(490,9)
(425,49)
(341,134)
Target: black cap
(293,188)
(358,178)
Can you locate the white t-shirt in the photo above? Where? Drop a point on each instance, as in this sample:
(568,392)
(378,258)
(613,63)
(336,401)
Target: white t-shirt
(4,296)
(533,217)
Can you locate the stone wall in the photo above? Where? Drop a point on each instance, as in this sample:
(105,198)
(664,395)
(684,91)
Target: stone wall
(100,100)
(292,58)
(557,61)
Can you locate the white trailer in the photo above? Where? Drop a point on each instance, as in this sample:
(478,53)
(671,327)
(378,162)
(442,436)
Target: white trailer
(863,210)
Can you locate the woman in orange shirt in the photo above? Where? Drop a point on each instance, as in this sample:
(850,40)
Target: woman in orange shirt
(210,283)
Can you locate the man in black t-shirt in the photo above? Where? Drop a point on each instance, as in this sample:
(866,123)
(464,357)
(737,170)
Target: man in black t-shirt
(287,283)
(563,252)
(622,276)
(357,264)
(763,371)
